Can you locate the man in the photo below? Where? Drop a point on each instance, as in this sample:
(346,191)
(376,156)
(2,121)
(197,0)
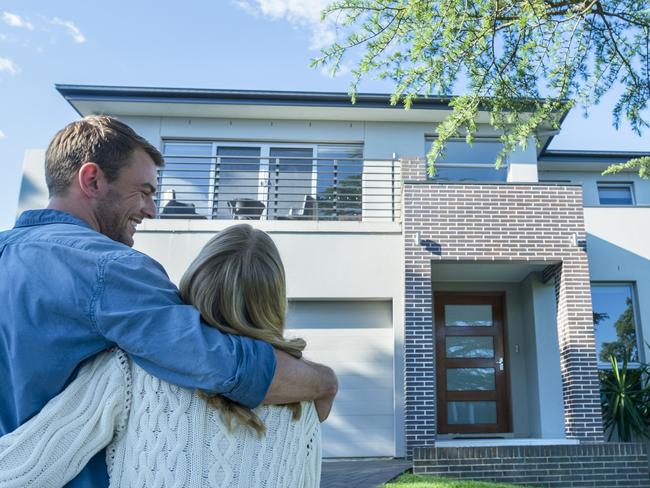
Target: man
(71,286)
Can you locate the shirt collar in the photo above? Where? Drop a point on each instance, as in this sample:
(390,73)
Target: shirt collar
(48,216)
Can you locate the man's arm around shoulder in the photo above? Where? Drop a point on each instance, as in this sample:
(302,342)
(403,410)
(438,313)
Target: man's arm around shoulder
(298,380)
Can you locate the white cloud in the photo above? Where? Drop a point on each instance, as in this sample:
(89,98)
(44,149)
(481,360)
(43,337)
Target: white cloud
(15,20)
(73,30)
(9,66)
(302,13)
(2,135)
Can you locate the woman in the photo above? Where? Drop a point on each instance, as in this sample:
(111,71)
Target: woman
(159,434)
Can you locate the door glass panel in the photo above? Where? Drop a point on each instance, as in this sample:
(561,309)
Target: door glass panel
(470,379)
(469,347)
(468,315)
(472,412)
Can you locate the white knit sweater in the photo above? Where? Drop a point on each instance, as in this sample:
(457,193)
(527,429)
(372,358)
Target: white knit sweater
(158,435)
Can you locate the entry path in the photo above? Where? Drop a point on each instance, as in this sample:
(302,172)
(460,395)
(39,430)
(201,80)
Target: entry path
(361,473)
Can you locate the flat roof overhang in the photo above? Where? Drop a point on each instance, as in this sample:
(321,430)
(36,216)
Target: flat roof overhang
(242,104)
(562,160)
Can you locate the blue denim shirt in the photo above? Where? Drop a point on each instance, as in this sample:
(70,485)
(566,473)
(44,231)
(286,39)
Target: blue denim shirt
(68,292)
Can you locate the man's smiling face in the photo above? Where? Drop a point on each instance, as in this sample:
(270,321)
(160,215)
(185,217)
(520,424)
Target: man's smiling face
(129,199)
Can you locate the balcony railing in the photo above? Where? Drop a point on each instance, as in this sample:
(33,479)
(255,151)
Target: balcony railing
(279,188)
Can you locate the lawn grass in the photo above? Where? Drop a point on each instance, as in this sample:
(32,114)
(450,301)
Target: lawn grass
(417,481)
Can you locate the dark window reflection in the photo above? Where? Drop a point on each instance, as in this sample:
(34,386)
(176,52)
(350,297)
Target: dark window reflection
(614,322)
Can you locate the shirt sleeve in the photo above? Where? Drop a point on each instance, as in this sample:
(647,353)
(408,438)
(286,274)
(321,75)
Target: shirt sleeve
(53,446)
(138,308)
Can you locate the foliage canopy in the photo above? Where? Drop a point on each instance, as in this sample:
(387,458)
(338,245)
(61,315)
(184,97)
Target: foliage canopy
(524,62)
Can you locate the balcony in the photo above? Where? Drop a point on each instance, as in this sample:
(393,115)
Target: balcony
(290,188)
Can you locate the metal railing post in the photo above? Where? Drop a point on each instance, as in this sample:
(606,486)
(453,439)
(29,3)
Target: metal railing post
(276,192)
(392,190)
(336,185)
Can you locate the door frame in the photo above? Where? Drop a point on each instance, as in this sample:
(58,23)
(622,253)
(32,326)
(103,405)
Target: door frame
(504,408)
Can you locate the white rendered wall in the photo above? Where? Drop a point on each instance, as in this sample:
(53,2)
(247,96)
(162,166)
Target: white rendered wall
(33,190)
(618,244)
(544,378)
(360,264)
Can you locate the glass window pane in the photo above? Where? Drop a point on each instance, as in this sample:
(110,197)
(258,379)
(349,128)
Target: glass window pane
(471,412)
(291,182)
(615,194)
(469,347)
(291,165)
(470,379)
(458,152)
(444,173)
(614,322)
(339,185)
(482,151)
(233,158)
(185,182)
(237,188)
(468,315)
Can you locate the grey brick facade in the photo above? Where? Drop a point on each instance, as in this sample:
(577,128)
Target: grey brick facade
(506,222)
(583,465)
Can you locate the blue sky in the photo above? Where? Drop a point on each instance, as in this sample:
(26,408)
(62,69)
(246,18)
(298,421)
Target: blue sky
(237,44)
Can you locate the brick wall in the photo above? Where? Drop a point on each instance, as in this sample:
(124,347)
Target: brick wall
(584,465)
(497,223)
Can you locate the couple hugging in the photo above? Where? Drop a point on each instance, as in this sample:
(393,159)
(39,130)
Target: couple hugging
(112,376)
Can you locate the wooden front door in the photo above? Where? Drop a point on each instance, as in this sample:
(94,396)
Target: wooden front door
(471,364)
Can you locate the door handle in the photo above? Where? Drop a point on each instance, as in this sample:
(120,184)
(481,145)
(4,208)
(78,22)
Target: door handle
(500,363)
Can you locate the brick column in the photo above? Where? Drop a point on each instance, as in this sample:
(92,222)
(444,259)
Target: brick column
(419,351)
(580,385)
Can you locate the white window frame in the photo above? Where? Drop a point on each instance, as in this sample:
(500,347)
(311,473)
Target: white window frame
(613,184)
(631,285)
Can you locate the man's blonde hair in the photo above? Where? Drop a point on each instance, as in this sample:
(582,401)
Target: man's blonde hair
(99,139)
(238,284)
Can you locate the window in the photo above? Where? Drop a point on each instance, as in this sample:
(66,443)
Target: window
(615,194)
(463,162)
(615,322)
(225,180)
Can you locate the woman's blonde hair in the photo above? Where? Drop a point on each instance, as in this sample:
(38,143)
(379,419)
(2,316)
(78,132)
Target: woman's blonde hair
(237,282)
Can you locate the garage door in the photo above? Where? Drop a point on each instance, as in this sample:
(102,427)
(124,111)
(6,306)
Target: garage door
(355,338)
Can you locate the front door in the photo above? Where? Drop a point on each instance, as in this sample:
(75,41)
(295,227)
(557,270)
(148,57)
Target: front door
(471,363)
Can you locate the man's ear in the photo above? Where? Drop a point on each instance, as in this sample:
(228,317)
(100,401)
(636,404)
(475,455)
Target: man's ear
(91,179)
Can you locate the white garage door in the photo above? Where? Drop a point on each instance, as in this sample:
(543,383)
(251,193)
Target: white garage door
(356,340)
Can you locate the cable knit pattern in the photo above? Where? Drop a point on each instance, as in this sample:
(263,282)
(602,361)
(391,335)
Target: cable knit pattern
(52,447)
(161,436)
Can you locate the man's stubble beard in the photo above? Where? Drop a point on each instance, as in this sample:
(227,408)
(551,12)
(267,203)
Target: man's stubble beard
(110,219)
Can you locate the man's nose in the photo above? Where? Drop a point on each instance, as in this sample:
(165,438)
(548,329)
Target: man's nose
(150,208)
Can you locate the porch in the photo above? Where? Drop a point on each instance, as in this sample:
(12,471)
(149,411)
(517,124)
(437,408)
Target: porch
(498,322)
